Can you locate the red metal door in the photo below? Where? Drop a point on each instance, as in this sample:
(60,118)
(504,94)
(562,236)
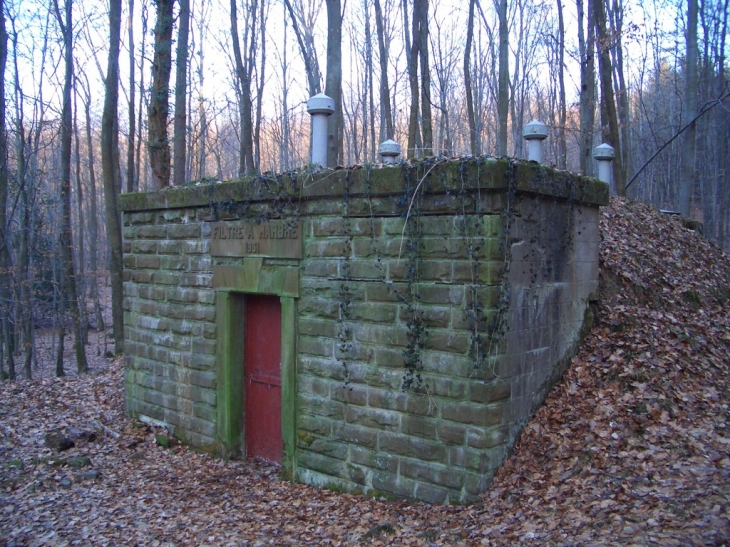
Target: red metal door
(262,355)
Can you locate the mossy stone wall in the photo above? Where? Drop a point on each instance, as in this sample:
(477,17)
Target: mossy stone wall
(432,308)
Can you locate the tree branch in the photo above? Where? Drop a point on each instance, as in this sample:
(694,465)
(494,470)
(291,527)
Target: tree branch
(705,108)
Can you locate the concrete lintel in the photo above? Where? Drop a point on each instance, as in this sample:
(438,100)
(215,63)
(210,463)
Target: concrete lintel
(255,276)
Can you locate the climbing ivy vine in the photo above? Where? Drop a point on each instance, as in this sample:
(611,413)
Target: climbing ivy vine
(345,290)
(279,196)
(411,202)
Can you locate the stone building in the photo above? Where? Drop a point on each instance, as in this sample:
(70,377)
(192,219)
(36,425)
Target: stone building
(384,330)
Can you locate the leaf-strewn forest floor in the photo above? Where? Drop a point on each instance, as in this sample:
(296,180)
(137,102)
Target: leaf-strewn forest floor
(631,448)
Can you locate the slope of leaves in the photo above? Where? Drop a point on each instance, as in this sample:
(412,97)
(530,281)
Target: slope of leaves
(632,447)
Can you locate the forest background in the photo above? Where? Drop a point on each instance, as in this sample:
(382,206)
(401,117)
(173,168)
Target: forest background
(100,98)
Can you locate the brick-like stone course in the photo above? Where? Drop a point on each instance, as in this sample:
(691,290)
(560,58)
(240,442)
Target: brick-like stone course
(169,327)
(364,280)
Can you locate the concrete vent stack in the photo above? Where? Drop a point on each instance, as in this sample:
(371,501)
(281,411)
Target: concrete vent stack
(320,107)
(534,133)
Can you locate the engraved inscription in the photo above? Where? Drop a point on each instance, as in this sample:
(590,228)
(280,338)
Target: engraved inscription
(275,238)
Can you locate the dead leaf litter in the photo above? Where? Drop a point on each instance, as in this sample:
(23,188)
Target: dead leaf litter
(632,447)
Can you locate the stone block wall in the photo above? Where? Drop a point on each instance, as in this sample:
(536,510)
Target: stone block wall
(169,316)
(398,298)
(434,306)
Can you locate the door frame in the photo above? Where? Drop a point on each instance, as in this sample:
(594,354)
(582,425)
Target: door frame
(231,283)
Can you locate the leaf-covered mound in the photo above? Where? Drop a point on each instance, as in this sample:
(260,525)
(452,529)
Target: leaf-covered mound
(631,447)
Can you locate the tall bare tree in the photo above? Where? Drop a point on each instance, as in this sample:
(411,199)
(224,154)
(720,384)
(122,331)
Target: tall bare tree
(529,22)
(586,49)
(6,336)
(142,94)
(285,137)
(110,170)
(686,183)
(158,110)
(420,135)
(93,213)
(386,113)
(562,114)
(503,91)
(303,22)
(616,25)
(369,75)
(203,123)
(263,16)
(20,308)
(181,85)
(65,22)
(426,117)
(414,134)
(245,66)
(446,54)
(132,181)
(721,201)
(79,246)
(609,117)
(333,81)
(471,119)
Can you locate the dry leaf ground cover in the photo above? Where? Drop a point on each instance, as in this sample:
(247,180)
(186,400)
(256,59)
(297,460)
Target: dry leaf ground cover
(631,448)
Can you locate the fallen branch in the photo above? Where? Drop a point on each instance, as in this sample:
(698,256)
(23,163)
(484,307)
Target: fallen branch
(98,425)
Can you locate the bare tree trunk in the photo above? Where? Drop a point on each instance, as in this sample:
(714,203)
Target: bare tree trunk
(406,26)
(562,145)
(140,109)
(370,74)
(587,86)
(6,345)
(503,91)
(60,348)
(65,239)
(624,112)
(386,112)
(131,186)
(426,118)
(202,152)
(414,133)
(93,219)
(80,229)
(22,303)
(243,74)
(306,46)
(333,81)
(284,149)
(263,15)
(687,180)
(609,118)
(444,66)
(110,173)
(25,315)
(723,130)
(706,171)
(181,86)
(158,143)
(471,119)
(516,88)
